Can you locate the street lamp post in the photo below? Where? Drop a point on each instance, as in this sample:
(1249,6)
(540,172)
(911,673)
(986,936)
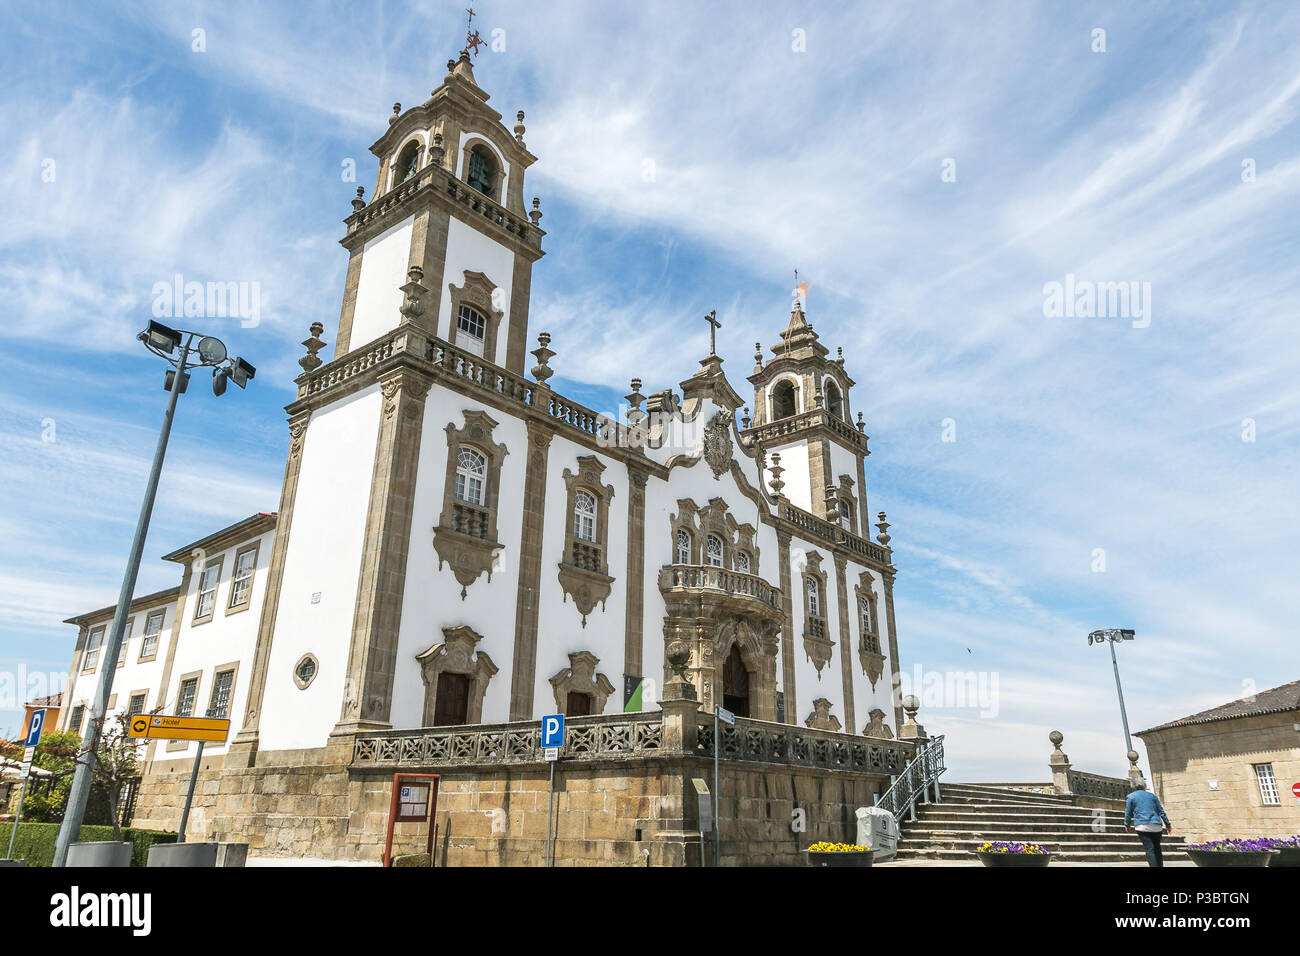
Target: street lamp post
(162,341)
(1112,636)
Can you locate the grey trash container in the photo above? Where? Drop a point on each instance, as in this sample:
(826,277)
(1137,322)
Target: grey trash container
(102,853)
(183,854)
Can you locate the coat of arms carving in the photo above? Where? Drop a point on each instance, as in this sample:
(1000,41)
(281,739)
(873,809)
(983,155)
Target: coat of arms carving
(717,444)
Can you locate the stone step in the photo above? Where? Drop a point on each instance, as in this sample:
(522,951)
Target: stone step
(921,830)
(1102,840)
(967,799)
(1074,856)
(1008,812)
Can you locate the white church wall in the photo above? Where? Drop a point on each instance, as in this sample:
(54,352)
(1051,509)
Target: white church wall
(843,462)
(383,273)
(223,640)
(865,698)
(468,249)
(559,622)
(323,557)
(809,684)
(432,599)
(798,482)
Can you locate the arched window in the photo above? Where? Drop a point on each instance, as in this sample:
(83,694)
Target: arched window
(471,329)
(865,606)
(584,516)
(814,598)
(742,562)
(481,174)
(834,401)
(783,400)
(713,547)
(471,468)
(683,547)
(408,162)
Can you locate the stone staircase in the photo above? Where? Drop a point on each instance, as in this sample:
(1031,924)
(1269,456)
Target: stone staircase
(972,813)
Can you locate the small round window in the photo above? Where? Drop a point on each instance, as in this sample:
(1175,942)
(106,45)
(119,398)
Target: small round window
(304,672)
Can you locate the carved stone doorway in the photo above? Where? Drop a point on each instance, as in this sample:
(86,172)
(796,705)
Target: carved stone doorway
(735,683)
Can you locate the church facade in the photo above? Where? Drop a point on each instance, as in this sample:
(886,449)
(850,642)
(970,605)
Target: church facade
(459,545)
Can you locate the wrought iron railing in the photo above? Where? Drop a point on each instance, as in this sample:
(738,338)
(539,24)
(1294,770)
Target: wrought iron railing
(587,738)
(762,741)
(918,780)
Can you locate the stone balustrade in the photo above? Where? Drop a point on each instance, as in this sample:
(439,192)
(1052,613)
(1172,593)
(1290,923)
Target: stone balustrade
(762,741)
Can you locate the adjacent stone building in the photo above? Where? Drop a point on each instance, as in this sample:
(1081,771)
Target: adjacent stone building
(1229,771)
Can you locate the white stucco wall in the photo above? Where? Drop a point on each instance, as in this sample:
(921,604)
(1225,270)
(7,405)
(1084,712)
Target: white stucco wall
(384,261)
(798,481)
(470,250)
(323,555)
(130,677)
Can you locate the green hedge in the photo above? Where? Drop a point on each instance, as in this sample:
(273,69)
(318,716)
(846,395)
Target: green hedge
(35,841)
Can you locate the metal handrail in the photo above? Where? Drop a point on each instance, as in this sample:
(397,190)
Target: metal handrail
(915,781)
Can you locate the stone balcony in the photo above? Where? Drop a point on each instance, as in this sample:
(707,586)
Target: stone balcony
(731,591)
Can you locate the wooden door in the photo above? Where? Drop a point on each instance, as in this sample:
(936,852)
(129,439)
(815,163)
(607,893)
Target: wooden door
(735,684)
(452,706)
(578,704)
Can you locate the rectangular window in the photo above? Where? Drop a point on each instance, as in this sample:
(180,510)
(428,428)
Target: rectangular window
(74,722)
(222,685)
(1267,784)
(152,628)
(470,330)
(241,582)
(136,706)
(92,649)
(126,642)
(185,699)
(207,592)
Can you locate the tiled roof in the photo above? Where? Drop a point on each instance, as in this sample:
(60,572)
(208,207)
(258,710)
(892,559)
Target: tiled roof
(1275,700)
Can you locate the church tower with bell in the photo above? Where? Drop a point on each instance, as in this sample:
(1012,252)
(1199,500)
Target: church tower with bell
(802,414)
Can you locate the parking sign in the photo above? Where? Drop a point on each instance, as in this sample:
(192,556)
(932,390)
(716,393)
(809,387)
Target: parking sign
(553,730)
(34,728)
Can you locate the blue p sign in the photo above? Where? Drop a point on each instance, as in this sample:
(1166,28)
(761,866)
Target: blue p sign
(553,730)
(34,728)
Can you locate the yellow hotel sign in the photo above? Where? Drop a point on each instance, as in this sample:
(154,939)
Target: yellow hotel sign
(180,728)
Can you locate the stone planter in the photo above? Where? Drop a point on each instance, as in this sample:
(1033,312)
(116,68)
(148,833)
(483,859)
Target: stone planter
(845,858)
(183,854)
(103,853)
(1230,857)
(1013,859)
(1285,856)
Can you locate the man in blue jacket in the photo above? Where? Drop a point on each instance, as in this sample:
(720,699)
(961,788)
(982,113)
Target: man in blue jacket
(1142,810)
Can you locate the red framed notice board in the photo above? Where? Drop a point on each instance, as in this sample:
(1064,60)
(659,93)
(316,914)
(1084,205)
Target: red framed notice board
(414,800)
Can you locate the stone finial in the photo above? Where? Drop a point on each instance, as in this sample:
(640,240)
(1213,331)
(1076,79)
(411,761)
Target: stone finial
(776,484)
(678,654)
(542,371)
(911,730)
(832,498)
(861,424)
(839,355)
(413,292)
(1059,763)
(359,203)
(397,111)
(1134,774)
(818,399)
(883,525)
(745,419)
(519,128)
(758,357)
(313,344)
(634,398)
(437,151)
(535,214)
(1057,738)
(451,66)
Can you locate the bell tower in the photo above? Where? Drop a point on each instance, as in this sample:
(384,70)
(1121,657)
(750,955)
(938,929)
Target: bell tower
(802,413)
(445,241)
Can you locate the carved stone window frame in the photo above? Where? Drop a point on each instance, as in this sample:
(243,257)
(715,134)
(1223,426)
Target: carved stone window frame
(297,679)
(475,291)
(876,726)
(870,654)
(715,519)
(747,541)
(580,677)
(686,520)
(456,654)
(584,566)
(821,717)
(817,643)
(468,554)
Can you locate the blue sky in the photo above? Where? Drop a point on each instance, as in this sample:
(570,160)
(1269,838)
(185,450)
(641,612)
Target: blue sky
(1072,434)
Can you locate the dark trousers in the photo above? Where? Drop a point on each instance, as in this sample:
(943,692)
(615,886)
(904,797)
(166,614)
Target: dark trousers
(1151,844)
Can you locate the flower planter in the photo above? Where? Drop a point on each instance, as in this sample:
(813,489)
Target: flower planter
(100,853)
(1231,857)
(839,858)
(1013,859)
(1285,856)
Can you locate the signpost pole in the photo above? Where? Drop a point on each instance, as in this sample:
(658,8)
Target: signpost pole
(35,727)
(550,813)
(717,796)
(189,797)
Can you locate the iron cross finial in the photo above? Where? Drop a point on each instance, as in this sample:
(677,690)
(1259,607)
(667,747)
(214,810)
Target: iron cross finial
(714,325)
(472,40)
